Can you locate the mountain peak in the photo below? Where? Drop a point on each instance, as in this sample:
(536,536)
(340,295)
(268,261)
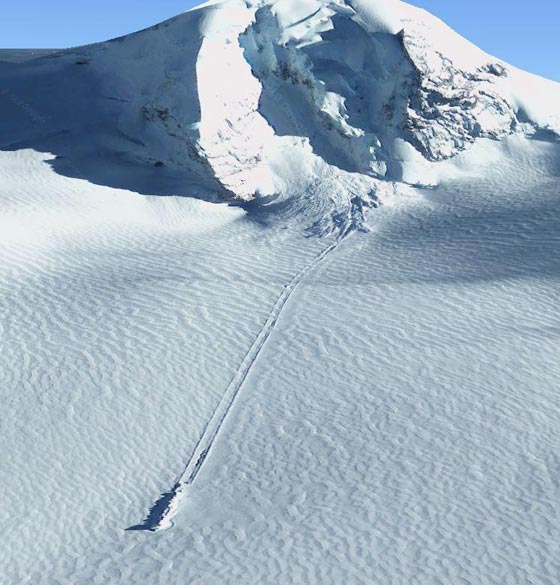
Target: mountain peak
(268,98)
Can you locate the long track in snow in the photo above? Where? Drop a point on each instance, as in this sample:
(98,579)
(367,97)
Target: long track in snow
(166,507)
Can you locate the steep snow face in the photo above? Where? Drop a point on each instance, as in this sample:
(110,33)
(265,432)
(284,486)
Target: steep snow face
(331,82)
(463,94)
(357,85)
(125,113)
(213,103)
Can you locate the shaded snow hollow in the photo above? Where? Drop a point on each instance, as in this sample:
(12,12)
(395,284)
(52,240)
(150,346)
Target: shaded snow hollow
(243,100)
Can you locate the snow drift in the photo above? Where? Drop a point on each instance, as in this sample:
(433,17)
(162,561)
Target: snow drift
(267,99)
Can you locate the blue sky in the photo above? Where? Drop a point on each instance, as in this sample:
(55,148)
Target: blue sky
(524,33)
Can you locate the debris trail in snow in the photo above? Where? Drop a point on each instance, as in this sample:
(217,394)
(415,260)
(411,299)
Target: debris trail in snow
(166,507)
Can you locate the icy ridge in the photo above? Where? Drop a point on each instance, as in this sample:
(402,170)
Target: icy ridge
(365,86)
(271,100)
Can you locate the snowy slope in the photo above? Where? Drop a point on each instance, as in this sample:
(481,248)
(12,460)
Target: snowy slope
(220,101)
(21,55)
(279,280)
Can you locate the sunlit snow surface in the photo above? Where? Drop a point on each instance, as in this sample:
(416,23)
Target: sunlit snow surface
(395,415)
(401,424)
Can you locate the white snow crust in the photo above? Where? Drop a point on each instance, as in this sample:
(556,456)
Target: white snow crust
(278,305)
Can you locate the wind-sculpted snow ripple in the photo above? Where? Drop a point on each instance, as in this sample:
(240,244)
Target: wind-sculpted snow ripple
(401,426)
(123,318)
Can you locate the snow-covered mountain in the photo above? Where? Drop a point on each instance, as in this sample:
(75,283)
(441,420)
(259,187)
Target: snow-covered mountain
(194,390)
(264,99)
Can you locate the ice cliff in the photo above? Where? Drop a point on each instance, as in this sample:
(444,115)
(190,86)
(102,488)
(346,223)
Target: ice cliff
(325,100)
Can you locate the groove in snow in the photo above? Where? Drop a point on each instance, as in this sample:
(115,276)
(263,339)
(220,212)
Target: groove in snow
(166,507)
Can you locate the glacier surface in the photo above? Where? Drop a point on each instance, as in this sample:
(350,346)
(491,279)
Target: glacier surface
(279,294)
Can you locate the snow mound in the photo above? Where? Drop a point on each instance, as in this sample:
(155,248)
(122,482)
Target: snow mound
(354,93)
